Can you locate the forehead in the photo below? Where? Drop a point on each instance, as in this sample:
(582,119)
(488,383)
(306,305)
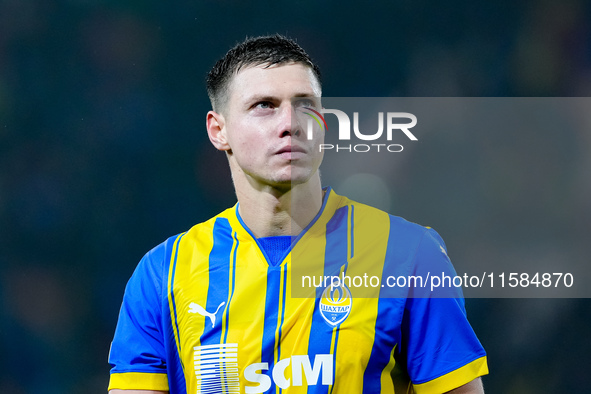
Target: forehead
(280,80)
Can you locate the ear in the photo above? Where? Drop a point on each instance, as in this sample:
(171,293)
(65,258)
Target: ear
(216,131)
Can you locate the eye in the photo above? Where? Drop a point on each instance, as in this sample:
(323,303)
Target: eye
(306,103)
(263,105)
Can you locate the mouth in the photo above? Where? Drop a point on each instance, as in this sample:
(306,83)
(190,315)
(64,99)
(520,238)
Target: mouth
(291,152)
(291,149)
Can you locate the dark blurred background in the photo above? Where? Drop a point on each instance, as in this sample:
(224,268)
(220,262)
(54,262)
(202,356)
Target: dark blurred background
(104,154)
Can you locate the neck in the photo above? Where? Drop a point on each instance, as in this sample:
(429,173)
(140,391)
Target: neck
(269,211)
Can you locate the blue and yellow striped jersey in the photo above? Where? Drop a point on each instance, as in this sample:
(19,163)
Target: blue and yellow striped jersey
(204,312)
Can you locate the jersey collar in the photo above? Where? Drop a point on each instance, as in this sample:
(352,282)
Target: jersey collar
(330,203)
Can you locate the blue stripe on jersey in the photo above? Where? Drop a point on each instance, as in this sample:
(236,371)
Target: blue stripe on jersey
(335,256)
(389,314)
(282,314)
(282,311)
(176,255)
(270,323)
(219,272)
(319,342)
(399,256)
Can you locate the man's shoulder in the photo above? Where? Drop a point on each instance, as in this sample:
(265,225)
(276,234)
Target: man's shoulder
(206,228)
(163,251)
(370,214)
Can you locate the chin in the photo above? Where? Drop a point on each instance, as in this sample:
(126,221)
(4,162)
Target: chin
(289,181)
(289,177)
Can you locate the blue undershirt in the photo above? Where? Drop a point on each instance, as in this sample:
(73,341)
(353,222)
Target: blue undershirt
(275,247)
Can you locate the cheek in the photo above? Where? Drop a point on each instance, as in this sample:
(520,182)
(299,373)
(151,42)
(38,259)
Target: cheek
(249,139)
(247,147)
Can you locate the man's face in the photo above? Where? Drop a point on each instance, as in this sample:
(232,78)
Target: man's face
(266,141)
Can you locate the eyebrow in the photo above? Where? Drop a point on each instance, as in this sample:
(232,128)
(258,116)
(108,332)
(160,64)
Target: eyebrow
(260,97)
(304,95)
(268,97)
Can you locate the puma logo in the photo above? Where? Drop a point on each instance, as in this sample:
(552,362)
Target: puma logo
(196,308)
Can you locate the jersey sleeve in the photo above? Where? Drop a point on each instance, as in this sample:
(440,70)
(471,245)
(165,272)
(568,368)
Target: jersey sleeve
(137,353)
(440,347)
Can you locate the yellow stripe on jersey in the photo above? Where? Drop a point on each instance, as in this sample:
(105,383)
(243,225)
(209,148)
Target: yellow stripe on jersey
(356,334)
(386,378)
(280,316)
(139,380)
(187,293)
(248,302)
(171,302)
(333,351)
(231,276)
(371,242)
(454,379)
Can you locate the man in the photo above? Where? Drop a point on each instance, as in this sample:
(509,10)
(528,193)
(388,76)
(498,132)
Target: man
(211,310)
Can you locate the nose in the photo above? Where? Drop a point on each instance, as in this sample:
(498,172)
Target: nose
(288,124)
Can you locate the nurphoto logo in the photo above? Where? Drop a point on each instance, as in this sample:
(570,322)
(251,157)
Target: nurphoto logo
(395,123)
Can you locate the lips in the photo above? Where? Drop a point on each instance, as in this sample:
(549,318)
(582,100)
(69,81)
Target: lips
(292,153)
(291,149)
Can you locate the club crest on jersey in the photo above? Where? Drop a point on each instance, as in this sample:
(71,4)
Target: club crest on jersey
(335,304)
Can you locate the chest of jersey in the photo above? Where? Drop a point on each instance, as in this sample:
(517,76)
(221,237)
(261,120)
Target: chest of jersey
(239,328)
